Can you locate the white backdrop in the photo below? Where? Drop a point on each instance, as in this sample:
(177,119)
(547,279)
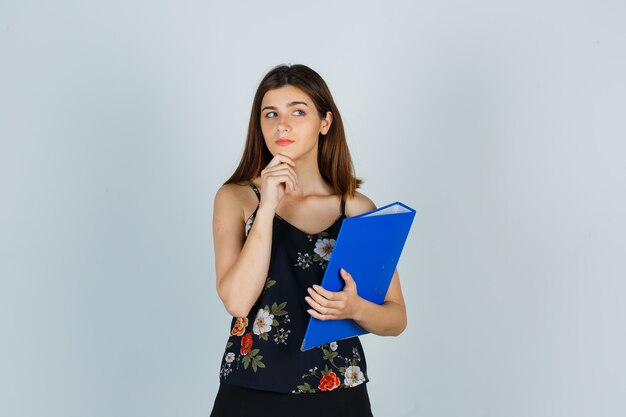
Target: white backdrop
(502,123)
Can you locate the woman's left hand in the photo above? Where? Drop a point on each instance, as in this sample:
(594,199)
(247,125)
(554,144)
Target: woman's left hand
(331,305)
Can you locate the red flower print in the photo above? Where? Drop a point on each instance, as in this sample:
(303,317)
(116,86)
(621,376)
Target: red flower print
(246,344)
(240,326)
(329,382)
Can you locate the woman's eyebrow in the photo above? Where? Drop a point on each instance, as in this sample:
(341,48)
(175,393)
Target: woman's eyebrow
(293,103)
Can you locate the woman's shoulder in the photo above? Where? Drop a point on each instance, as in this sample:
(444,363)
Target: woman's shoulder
(358,203)
(236,197)
(231,191)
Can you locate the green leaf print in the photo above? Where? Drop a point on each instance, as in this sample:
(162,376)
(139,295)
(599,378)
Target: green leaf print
(252,358)
(305,388)
(256,363)
(329,356)
(279,309)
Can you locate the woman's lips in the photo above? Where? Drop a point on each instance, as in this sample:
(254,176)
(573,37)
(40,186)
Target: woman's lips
(284,142)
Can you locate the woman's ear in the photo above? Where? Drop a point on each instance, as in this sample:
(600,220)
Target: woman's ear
(326,122)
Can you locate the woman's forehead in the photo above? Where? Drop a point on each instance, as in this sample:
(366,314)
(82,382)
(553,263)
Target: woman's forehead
(283,95)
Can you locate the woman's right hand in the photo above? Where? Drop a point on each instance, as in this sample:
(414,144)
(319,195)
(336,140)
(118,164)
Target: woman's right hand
(275,178)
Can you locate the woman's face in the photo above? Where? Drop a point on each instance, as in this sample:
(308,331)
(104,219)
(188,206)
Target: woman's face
(291,124)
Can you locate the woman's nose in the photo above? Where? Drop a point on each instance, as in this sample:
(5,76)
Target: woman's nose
(283,124)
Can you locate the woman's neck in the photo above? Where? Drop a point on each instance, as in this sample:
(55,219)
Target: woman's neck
(310,181)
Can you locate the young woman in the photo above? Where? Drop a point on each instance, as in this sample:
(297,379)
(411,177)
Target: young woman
(274,226)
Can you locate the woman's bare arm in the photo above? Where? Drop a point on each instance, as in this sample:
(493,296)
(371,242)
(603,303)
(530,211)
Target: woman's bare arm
(387,319)
(240,264)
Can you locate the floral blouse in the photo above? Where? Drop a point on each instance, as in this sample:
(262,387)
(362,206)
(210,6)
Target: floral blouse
(263,349)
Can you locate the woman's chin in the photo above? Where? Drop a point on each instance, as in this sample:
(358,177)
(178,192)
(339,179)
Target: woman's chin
(284,152)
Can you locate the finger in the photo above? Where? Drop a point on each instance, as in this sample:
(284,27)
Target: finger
(279,179)
(318,307)
(281,165)
(324,301)
(319,316)
(344,273)
(347,277)
(277,168)
(280,158)
(276,160)
(282,169)
(330,295)
(287,159)
(287,167)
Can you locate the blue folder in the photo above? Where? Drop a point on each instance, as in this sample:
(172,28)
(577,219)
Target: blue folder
(368,247)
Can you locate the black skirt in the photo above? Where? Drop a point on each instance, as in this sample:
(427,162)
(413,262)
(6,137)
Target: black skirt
(234,401)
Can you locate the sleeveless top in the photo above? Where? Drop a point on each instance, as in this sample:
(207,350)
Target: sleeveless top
(263,350)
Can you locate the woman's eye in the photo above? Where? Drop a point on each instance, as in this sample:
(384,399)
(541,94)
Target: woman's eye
(299,113)
(270,115)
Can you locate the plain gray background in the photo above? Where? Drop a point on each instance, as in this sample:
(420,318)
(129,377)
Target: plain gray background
(502,123)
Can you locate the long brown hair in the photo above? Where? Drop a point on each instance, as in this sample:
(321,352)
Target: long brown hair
(333,156)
